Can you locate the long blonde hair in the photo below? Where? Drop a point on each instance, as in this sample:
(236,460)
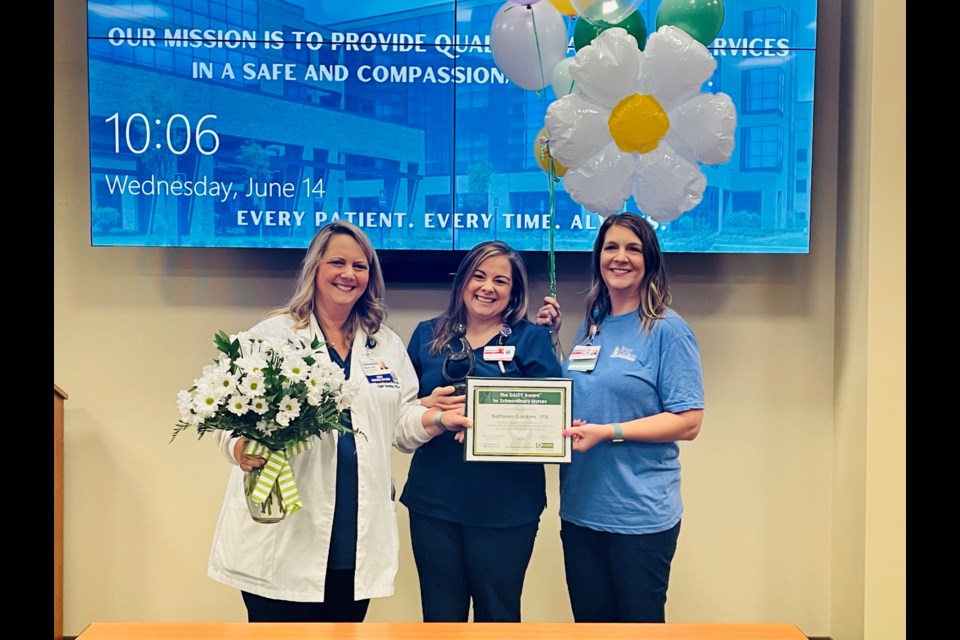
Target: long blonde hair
(369,311)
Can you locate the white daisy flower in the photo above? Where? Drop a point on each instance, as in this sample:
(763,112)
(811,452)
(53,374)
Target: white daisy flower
(638,124)
(315,389)
(252,384)
(207,399)
(191,419)
(253,363)
(328,375)
(259,405)
(185,404)
(238,405)
(295,368)
(224,380)
(288,409)
(348,392)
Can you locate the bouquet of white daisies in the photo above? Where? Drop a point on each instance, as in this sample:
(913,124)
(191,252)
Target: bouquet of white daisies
(277,393)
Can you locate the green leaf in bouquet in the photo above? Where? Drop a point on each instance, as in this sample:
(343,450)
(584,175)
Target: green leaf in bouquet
(227,346)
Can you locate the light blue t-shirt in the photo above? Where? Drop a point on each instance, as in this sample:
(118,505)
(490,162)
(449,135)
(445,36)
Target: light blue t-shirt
(631,487)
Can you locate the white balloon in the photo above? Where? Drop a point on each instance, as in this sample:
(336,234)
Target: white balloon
(561,80)
(675,66)
(666,185)
(527,56)
(703,128)
(577,129)
(607,69)
(602,184)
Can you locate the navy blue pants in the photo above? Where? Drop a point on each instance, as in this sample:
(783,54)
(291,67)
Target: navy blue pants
(615,577)
(338,607)
(457,563)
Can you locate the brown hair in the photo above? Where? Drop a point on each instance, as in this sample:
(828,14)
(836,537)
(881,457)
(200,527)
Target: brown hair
(655,295)
(516,308)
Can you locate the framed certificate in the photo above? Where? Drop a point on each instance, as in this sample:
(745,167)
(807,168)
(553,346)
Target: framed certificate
(518,419)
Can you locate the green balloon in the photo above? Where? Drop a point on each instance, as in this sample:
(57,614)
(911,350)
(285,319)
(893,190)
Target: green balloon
(584,31)
(701,19)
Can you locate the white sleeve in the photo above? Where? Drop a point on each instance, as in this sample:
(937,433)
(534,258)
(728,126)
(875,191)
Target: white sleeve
(409,432)
(226,444)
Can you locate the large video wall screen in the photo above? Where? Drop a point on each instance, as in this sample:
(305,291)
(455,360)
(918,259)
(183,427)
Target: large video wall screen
(252,123)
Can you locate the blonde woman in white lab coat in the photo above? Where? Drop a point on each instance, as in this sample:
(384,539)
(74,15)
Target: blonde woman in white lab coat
(326,561)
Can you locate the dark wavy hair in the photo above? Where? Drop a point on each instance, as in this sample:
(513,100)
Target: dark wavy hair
(369,311)
(655,295)
(516,308)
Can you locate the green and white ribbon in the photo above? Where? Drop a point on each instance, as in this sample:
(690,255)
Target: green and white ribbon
(276,471)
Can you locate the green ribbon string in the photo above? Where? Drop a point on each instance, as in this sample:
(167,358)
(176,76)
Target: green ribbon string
(553,208)
(276,471)
(536,40)
(553,172)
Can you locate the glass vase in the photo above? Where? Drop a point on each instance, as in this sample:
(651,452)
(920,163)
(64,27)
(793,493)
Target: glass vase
(271,510)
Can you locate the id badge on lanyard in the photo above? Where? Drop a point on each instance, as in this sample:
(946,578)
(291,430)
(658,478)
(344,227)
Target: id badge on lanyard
(500,352)
(584,357)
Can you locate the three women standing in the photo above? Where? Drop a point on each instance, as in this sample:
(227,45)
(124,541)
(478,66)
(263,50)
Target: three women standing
(637,385)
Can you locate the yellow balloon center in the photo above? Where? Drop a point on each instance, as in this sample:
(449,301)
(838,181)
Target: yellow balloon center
(638,123)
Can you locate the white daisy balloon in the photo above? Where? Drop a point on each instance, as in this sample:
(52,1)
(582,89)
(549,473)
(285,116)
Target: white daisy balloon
(639,124)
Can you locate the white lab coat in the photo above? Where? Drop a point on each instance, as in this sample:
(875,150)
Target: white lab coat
(288,560)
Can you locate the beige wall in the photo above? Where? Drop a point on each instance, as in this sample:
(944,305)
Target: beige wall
(869,495)
(794,492)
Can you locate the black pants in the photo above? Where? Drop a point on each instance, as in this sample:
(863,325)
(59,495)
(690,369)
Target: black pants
(339,605)
(457,563)
(614,577)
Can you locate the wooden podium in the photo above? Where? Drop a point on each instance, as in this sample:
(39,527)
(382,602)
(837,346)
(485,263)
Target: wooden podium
(58,397)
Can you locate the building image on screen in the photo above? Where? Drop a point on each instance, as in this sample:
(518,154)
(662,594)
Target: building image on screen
(215,125)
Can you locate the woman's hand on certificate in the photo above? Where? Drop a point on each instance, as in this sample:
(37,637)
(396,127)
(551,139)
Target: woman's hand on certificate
(584,434)
(455,420)
(453,407)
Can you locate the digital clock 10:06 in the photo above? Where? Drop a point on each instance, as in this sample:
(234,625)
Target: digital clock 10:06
(177,136)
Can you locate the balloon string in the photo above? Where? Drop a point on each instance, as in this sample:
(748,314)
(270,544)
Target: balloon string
(536,39)
(553,207)
(553,171)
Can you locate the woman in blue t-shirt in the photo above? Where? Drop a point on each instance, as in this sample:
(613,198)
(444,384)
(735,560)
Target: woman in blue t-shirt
(637,390)
(473,524)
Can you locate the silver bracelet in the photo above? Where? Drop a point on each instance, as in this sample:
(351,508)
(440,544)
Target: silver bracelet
(438,421)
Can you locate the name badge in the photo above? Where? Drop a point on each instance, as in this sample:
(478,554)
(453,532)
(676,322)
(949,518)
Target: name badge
(499,353)
(583,357)
(377,372)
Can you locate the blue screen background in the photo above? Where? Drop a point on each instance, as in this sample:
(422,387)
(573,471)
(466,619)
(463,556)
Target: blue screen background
(428,148)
